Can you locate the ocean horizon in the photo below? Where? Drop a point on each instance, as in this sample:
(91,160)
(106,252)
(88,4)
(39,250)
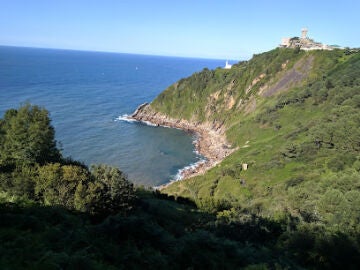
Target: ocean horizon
(89,93)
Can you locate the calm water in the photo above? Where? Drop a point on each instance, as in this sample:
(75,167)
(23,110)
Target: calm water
(87,92)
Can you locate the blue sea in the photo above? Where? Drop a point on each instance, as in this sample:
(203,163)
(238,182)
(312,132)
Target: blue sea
(87,95)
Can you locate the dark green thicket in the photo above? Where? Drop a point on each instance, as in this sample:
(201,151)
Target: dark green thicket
(164,234)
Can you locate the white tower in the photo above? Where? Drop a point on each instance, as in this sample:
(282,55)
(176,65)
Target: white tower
(227,65)
(304,33)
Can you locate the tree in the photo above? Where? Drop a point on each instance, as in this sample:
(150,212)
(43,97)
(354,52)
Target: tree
(114,192)
(57,184)
(333,207)
(27,137)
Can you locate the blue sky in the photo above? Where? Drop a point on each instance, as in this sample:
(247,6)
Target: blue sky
(222,29)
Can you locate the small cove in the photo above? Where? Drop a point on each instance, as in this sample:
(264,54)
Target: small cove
(86,92)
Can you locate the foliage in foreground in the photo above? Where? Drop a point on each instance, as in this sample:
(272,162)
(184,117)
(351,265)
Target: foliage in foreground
(32,169)
(163,234)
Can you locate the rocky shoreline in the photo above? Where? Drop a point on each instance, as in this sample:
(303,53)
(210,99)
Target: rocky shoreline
(210,138)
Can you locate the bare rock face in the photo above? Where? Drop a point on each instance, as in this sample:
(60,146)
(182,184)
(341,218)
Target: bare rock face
(211,141)
(139,109)
(290,78)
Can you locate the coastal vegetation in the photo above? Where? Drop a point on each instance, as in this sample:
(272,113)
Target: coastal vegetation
(297,127)
(291,116)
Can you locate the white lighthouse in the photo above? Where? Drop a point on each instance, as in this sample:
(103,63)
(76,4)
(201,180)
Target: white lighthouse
(227,65)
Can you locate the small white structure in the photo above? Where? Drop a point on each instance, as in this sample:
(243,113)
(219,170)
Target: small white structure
(244,166)
(227,65)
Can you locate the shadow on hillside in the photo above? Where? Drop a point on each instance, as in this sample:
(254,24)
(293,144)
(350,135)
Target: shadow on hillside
(163,233)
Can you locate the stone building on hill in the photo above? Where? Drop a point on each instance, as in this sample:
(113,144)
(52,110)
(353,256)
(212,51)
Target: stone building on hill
(304,42)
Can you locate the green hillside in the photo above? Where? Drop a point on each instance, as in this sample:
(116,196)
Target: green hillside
(295,118)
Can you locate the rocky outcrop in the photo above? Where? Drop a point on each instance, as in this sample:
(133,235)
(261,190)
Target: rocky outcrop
(210,138)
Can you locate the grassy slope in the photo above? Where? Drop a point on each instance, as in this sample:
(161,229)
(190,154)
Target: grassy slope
(190,98)
(288,170)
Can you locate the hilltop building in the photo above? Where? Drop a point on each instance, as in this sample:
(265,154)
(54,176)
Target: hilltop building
(227,65)
(304,33)
(304,42)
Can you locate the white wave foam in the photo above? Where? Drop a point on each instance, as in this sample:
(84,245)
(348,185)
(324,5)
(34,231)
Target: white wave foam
(125,118)
(149,123)
(192,166)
